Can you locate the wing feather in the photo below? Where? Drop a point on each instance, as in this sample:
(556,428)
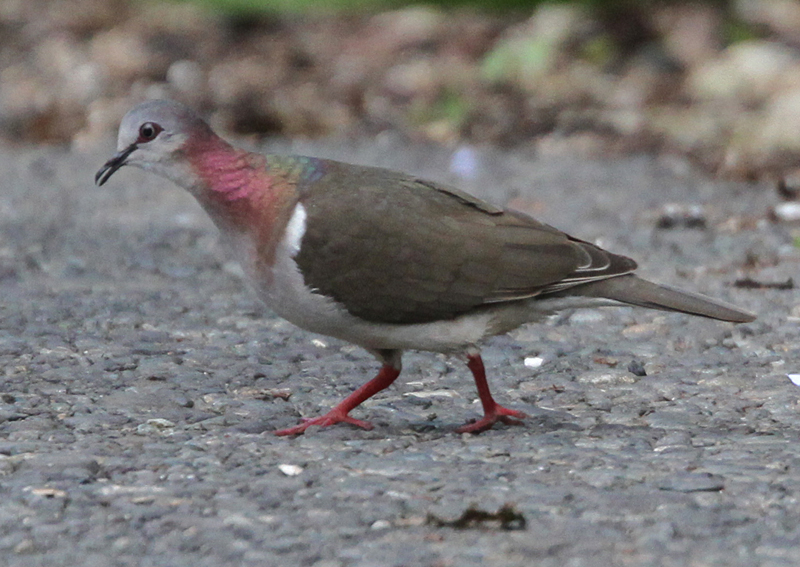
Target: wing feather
(391,248)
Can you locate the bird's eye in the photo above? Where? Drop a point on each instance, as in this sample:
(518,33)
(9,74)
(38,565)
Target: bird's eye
(148,131)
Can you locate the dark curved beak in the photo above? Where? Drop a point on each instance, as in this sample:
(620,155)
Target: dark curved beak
(113,165)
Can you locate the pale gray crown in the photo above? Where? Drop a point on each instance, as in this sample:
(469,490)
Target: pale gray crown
(173,117)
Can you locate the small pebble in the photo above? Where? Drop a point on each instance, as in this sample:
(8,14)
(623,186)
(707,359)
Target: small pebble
(156,426)
(533,361)
(636,367)
(290,470)
(433,394)
(48,492)
(606,377)
(787,212)
(380,525)
(675,215)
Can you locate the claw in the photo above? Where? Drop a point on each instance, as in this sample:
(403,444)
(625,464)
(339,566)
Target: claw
(340,414)
(331,418)
(504,415)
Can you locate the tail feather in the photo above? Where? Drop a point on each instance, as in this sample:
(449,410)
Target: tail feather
(636,291)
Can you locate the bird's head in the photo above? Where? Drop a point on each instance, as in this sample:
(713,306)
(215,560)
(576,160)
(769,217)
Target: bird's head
(153,136)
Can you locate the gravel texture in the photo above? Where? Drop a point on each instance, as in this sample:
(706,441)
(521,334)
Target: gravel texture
(142,380)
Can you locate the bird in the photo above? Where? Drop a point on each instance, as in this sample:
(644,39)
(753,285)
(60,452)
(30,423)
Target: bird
(383,259)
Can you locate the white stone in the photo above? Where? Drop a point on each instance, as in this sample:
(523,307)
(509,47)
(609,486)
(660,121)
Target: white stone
(788,212)
(533,361)
(290,470)
(380,525)
(433,394)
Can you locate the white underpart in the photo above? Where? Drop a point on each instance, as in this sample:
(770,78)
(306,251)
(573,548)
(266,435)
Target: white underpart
(283,290)
(295,230)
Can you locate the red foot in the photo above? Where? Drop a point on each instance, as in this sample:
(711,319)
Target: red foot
(505,415)
(340,413)
(493,412)
(331,418)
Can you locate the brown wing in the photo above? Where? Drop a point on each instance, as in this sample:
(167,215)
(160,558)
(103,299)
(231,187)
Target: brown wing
(395,249)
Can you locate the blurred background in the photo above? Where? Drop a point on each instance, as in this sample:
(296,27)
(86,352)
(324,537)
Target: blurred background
(715,81)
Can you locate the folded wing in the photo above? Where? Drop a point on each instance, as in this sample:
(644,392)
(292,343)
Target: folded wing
(391,248)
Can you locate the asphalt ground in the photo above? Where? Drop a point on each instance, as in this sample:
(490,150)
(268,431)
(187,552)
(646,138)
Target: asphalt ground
(141,381)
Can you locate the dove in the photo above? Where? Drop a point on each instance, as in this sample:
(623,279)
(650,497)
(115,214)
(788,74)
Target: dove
(382,259)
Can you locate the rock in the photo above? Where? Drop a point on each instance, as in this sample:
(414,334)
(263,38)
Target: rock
(607,377)
(747,71)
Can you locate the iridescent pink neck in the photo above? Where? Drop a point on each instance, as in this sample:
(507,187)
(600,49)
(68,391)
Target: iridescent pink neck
(227,171)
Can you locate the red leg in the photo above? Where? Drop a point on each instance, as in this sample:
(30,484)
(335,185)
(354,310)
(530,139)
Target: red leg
(493,412)
(383,380)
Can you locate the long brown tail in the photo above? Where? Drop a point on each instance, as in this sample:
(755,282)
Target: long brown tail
(636,291)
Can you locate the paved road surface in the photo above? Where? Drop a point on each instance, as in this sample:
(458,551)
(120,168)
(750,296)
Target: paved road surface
(141,381)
